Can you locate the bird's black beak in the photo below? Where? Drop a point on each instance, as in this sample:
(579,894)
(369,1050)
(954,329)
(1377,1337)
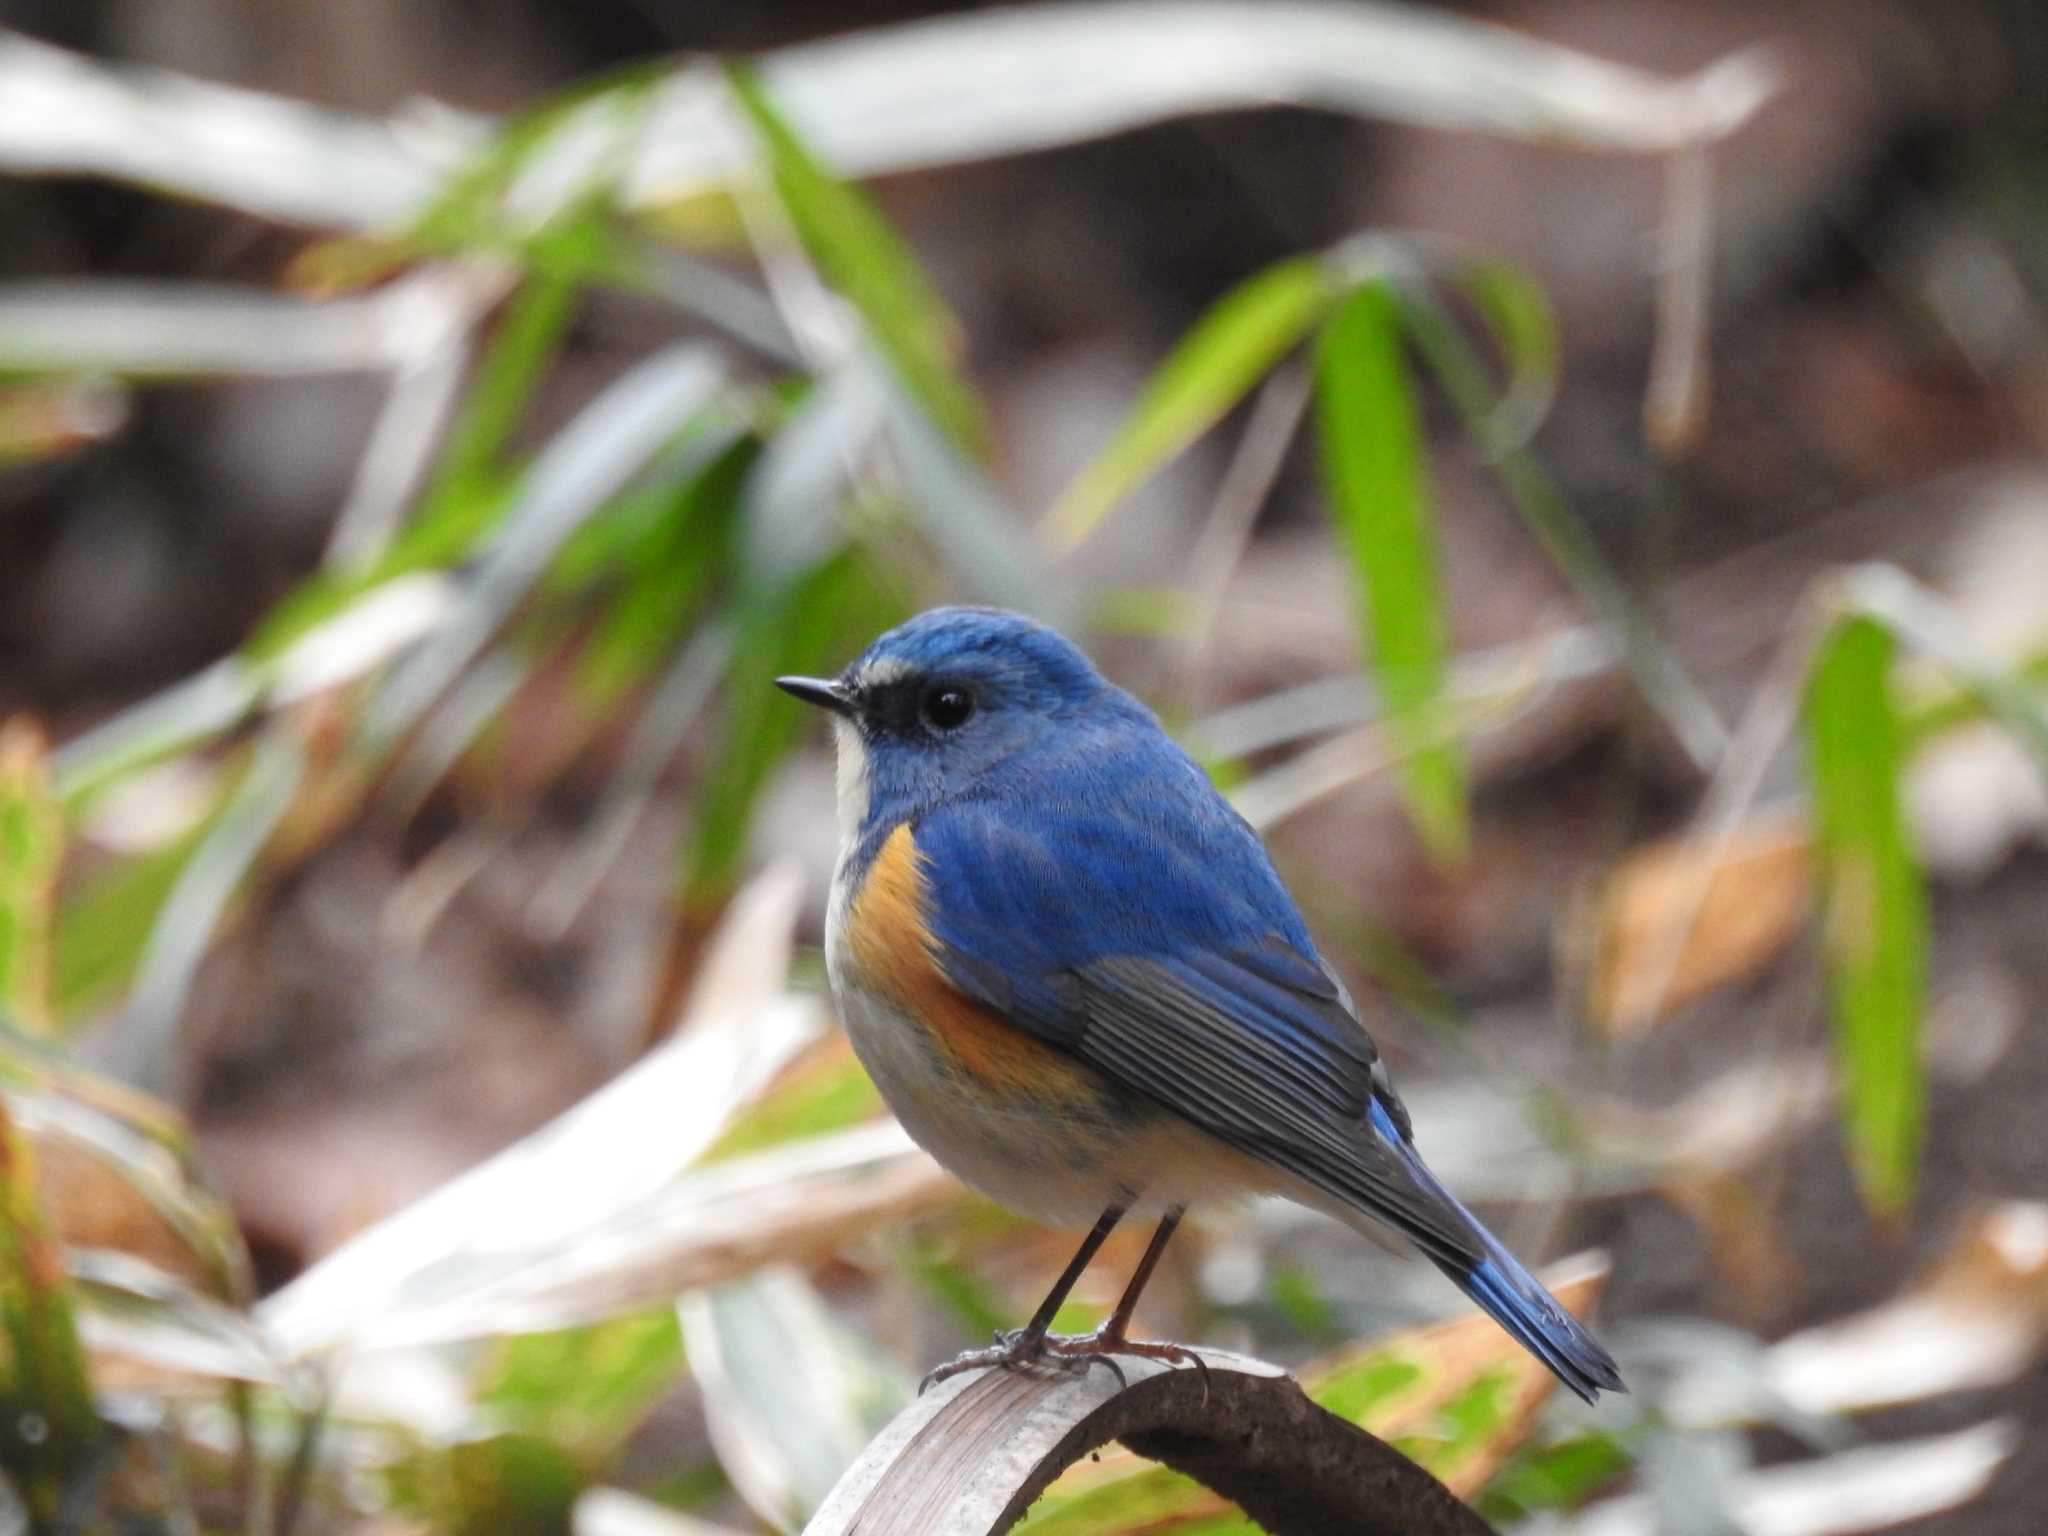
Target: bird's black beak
(824,692)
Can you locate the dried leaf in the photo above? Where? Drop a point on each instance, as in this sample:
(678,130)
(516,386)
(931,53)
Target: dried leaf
(1977,1319)
(580,1187)
(791,1395)
(1677,920)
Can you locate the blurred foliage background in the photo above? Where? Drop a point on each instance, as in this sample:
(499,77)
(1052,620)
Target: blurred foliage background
(1586,506)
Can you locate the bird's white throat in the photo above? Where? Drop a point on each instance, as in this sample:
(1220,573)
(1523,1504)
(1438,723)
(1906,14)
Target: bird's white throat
(852,780)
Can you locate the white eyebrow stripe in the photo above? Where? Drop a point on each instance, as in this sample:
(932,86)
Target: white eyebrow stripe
(880,674)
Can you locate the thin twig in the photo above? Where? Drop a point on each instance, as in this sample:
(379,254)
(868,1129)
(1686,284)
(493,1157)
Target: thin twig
(1675,403)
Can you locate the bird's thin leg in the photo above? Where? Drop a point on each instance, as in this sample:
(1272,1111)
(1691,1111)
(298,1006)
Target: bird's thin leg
(1028,1342)
(1041,1320)
(1113,1337)
(1120,1319)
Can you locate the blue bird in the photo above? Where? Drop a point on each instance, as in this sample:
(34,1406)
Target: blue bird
(1074,974)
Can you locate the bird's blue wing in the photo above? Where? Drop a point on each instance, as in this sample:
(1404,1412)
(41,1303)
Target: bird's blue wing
(1164,953)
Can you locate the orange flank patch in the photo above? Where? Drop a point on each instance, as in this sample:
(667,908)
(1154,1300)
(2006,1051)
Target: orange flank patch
(893,949)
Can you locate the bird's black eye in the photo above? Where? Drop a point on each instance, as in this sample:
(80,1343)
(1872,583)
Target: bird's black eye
(946,707)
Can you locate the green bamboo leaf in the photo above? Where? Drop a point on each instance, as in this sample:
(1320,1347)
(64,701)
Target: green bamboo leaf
(866,260)
(103,929)
(1376,471)
(1874,903)
(31,846)
(471,486)
(1221,358)
(669,568)
(1457,366)
(49,1428)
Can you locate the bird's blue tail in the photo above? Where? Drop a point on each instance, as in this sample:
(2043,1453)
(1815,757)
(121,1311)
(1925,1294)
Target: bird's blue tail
(1513,1297)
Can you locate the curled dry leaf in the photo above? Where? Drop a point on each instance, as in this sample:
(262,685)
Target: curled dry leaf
(970,1456)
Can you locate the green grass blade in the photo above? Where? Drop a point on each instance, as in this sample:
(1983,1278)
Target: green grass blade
(1376,473)
(861,256)
(1875,906)
(1222,357)
(31,847)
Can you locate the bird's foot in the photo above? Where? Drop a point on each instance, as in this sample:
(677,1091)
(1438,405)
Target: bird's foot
(1017,1348)
(1021,1348)
(1105,1344)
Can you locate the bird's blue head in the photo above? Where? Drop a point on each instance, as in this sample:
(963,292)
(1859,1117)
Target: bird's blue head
(935,704)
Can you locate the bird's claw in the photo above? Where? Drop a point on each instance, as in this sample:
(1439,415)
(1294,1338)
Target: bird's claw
(1016,1349)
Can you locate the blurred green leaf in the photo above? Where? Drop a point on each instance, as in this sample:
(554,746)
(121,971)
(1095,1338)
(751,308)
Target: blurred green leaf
(127,1161)
(1465,1427)
(477,207)
(1223,355)
(143,1050)
(957,507)
(584,1390)
(678,550)
(981,1312)
(1298,1297)
(1148,1498)
(1456,365)
(471,486)
(815,622)
(1375,467)
(103,927)
(468,479)
(1358,1389)
(498,1485)
(1959,704)
(48,1425)
(1553,1477)
(471,212)
(633,427)
(1874,903)
(31,848)
(829,1091)
(1517,311)
(865,260)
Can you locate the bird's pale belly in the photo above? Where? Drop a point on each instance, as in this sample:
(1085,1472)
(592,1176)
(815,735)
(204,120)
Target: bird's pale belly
(1057,1159)
(1059,1162)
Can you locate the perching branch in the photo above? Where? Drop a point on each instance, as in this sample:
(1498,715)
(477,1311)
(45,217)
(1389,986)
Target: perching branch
(971,1456)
